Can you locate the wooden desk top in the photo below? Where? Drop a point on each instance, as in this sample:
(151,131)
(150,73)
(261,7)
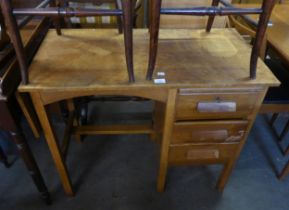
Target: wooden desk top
(94,59)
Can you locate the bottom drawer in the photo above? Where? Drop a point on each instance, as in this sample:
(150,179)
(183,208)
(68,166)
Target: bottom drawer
(201,154)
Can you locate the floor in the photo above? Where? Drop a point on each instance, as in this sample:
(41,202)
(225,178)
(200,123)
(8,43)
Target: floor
(119,172)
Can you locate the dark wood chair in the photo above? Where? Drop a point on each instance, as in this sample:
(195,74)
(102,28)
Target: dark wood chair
(32,33)
(212,11)
(56,13)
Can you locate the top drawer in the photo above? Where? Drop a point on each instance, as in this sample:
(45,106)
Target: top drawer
(225,104)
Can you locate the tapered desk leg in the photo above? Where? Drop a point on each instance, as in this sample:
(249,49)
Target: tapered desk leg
(167,132)
(52,143)
(29,113)
(225,174)
(154,36)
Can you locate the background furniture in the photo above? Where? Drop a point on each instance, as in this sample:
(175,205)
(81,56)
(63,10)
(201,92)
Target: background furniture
(32,35)
(277,43)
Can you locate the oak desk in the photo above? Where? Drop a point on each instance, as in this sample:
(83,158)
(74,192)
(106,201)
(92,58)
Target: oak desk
(203,113)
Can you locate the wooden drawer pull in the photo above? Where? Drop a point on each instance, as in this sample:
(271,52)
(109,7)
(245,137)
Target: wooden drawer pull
(217,106)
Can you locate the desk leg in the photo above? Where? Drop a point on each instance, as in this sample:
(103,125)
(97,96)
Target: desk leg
(226,172)
(30,115)
(52,143)
(167,132)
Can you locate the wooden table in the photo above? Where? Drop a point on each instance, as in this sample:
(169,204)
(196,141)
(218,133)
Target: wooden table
(203,113)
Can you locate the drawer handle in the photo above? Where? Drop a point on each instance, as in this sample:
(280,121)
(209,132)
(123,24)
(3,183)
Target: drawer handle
(217,106)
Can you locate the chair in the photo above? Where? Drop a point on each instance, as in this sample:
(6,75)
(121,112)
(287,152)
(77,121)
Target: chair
(33,33)
(156,9)
(56,13)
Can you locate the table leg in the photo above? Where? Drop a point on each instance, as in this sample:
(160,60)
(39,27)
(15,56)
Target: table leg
(167,132)
(226,172)
(52,143)
(29,113)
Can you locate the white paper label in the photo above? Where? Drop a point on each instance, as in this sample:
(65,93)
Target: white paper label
(160,81)
(161,73)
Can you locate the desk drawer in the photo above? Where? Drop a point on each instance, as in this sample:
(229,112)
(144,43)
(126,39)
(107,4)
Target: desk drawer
(215,105)
(201,154)
(209,131)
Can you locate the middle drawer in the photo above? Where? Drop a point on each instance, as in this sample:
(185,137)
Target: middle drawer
(209,131)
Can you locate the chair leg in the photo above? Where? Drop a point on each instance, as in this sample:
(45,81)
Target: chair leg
(128,8)
(52,143)
(273,118)
(267,8)
(154,36)
(30,163)
(284,132)
(285,172)
(71,109)
(15,37)
(23,148)
(3,158)
(119,19)
(56,20)
(212,18)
